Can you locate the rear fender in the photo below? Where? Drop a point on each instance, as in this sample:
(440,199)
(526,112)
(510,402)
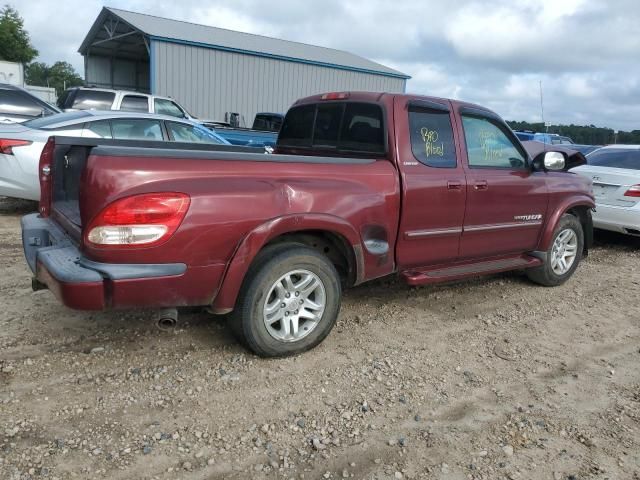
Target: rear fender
(583,201)
(251,245)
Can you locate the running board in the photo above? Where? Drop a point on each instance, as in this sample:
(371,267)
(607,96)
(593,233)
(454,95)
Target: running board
(439,274)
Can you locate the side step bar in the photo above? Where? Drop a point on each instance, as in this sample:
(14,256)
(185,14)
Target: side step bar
(457,272)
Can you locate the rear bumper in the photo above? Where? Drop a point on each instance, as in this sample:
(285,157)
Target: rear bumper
(86,285)
(617,219)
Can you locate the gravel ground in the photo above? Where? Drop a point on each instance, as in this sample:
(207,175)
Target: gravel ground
(494,378)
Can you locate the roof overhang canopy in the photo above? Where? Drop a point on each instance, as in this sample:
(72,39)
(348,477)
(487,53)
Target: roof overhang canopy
(110,36)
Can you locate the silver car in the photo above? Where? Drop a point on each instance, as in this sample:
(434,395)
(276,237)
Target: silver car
(615,172)
(18,105)
(21,144)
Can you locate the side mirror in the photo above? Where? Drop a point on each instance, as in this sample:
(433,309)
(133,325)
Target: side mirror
(554,161)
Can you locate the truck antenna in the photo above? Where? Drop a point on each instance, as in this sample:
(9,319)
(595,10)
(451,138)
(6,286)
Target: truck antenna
(542,109)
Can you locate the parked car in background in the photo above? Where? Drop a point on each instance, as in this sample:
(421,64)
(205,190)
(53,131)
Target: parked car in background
(245,136)
(18,105)
(21,144)
(615,172)
(90,98)
(362,185)
(268,122)
(584,149)
(263,134)
(548,138)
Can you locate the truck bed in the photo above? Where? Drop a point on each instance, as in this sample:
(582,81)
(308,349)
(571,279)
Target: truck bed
(234,193)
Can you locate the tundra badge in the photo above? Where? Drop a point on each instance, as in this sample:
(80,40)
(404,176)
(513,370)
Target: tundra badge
(526,218)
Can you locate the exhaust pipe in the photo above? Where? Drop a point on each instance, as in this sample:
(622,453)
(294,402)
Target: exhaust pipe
(36,285)
(167,319)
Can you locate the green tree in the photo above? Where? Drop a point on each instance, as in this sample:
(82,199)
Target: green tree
(15,45)
(36,73)
(60,75)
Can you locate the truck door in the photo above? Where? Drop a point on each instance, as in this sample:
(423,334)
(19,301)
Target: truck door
(506,200)
(433,183)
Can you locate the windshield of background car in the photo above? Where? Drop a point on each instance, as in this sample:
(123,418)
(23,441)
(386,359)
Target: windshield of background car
(615,158)
(341,126)
(54,121)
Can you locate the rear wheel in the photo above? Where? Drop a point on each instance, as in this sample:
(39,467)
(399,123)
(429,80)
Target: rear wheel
(289,302)
(563,256)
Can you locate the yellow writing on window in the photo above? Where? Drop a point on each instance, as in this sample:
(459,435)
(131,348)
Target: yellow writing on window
(490,144)
(431,145)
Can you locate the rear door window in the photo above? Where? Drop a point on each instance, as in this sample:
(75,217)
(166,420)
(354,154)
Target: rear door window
(93,100)
(136,129)
(167,107)
(97,129)
(432,137)
(134,103)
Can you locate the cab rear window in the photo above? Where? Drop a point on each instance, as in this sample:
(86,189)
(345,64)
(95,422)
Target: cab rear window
(342,126)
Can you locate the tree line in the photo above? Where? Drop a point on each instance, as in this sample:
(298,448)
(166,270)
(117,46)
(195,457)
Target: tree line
(582,134)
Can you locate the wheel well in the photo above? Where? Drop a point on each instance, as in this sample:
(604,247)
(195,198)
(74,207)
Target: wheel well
(583,213)
(334,246)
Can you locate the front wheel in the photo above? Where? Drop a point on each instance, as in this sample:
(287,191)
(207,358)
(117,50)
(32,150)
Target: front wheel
(564,254)
(289,302)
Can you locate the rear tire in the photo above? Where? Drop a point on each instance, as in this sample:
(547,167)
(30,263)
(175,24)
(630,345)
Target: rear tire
(289,301)
(563,256)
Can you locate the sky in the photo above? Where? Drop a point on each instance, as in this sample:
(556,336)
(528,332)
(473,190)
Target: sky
(492,52)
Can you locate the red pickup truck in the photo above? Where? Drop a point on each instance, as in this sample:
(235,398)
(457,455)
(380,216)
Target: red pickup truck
(361,185)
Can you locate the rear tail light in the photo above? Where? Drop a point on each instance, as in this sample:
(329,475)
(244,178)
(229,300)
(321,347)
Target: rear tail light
(7,144)
(634,191)
(44,172)
(335,96)
(147,219)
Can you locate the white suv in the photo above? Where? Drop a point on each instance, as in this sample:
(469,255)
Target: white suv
(88,98)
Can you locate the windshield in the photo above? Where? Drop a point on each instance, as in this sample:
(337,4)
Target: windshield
(53,121)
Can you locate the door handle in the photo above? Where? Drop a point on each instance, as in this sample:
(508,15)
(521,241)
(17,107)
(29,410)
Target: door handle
(453,185)
(481,185)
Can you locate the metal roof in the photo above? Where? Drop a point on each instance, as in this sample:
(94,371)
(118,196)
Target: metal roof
(165,29)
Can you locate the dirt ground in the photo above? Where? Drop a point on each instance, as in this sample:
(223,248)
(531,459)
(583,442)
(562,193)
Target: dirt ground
(494,378)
